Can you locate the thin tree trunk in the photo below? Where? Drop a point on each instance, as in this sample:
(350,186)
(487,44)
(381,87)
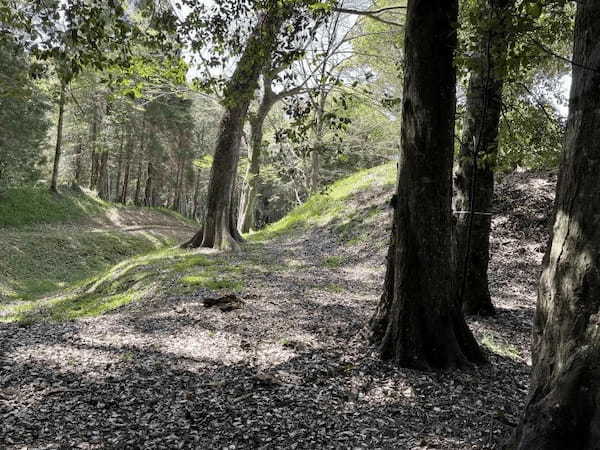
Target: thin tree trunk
(103,180)
(125,189)
(138,184)
(95,159)
(252,179)
(474,175)
(315,155)
(196,198)
(218,230)
(59,131)
(119,168)
(418,322)
(78,165)
(148,198)
(563,408)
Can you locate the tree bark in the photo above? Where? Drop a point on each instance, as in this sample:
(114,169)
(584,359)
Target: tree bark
(315,154)
(148,197)
(125,188)
(59,131)
(219,231)
(252,179)
(94,155)
(78,166)
(563,408)
(103,180)
(418,322)
(138,184)
(474,175)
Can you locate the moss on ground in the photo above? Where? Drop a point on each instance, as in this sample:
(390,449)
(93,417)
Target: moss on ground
(321,209)
(30,206)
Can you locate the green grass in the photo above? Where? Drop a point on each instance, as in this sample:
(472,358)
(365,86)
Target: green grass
(30,206)
(498,346)
(212,282)
(129,281)
(35,264)
(334,261)
(321,209)
(98,272)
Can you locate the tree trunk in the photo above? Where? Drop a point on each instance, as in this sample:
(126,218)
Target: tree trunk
(138,184)
(59,131)
(252,179)
(474,175)
(418,322)
(103,180)
(219,231)
(563,408)
(125,189)
(119,168)
(315,154)
(78,167)
(95,160)
(148,200)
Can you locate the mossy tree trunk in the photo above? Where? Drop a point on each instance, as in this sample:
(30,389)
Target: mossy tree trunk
(418,322)
(219,230)
(474,175)
(563,408)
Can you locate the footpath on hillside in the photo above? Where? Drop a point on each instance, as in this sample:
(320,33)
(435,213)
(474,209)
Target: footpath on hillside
(287,365)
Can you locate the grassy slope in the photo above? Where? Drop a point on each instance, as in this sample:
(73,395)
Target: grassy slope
(332,205)
(31,206)
(49,242)
(181,271)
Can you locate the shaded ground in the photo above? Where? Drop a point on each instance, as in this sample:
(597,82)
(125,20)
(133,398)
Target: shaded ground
(290,369)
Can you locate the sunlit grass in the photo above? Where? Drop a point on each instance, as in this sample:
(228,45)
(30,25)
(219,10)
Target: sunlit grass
(498,346)
(321,209)
(29,206)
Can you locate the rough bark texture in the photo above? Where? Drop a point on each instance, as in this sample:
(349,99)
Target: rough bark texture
(474,175)
(418,322)
(59,131)
(219,230)
(563,409)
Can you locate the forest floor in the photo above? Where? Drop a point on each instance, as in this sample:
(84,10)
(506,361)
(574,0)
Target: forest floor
(285,364)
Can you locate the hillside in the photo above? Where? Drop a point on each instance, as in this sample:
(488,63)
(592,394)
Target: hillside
(283,361)
(50,242)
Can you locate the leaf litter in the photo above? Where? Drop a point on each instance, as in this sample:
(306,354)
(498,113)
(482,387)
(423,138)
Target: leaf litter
(287,365)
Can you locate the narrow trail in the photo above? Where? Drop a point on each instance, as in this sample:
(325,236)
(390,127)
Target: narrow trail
(290,369)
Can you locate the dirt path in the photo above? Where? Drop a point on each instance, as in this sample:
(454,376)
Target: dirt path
(290,369)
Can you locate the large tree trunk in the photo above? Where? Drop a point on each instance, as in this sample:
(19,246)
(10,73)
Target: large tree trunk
(474,176)
(219,231)
(252,179)
(418,322)
(59,131)
(563,408)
